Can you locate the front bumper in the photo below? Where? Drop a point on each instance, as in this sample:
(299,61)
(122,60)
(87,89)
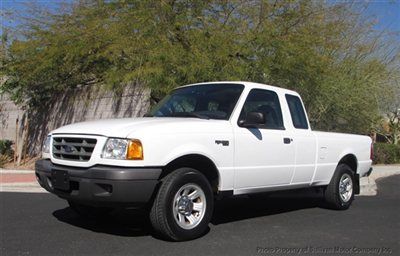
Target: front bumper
(101,185)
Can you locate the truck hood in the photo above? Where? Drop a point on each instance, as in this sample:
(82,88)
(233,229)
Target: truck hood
(132,127)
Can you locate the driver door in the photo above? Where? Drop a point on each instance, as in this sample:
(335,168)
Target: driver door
(265,155)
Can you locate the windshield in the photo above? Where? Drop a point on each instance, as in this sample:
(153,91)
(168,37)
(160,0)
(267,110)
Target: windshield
(207,101)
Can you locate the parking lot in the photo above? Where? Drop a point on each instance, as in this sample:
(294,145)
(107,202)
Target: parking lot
(42,224)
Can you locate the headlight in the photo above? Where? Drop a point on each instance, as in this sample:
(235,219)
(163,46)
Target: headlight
(46,145)
(123,149)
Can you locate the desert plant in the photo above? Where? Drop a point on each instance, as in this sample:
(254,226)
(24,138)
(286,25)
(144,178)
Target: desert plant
(385,153)
(6,147)
(4,159)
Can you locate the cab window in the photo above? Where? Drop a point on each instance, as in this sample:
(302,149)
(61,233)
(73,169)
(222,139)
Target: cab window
(267,103)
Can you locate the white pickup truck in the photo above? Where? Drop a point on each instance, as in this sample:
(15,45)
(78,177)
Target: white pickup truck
(201,142)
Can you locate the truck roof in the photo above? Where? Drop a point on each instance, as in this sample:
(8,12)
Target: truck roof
(249,85)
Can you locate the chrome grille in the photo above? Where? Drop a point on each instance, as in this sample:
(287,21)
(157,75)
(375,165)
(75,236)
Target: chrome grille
(75,149)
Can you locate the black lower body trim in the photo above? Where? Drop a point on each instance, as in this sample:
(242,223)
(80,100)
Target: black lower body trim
(357,184)
(368,173)
(99,185)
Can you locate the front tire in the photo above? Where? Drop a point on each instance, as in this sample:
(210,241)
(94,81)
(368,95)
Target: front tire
(340,192)
(183,206)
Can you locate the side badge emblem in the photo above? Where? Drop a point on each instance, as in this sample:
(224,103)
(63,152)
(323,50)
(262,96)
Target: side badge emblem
(222,142)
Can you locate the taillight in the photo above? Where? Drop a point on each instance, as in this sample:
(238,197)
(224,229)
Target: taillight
(371,155)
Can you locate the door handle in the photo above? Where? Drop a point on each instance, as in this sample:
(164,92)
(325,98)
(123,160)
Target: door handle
(287,140)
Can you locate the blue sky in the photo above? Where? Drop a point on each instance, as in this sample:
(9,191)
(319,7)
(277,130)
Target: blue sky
(385,12)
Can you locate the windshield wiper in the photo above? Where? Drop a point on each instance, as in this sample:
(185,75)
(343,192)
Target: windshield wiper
(189,114)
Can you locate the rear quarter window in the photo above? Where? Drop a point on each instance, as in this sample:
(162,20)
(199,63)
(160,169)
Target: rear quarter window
(297,112)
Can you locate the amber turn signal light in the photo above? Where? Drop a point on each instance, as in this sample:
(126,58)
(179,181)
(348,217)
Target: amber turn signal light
(135,150)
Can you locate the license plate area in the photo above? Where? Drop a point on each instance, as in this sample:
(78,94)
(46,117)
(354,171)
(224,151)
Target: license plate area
(60,179)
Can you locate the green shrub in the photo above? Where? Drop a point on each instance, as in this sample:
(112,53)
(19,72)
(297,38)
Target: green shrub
(5,147)
(6,152)
(386,153)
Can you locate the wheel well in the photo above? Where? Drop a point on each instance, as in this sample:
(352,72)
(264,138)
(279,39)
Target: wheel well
(351,161)
(199,162)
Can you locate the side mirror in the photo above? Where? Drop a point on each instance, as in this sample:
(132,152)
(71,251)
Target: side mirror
(253,119)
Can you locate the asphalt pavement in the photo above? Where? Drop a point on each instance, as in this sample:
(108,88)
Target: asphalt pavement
(281,224)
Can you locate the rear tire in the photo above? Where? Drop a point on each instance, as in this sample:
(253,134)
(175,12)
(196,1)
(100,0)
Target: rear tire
(183,206)
(340,192)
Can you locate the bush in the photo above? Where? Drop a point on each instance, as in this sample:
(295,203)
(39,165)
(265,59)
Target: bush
(6,152)
(5,147)
(386,153)
(4,159)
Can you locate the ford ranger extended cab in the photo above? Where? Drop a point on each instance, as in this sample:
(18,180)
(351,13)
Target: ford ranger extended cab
(201,142)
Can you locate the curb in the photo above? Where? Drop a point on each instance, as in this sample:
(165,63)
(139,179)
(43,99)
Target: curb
(31,187)
(7,171)
(25,187)
(368,184)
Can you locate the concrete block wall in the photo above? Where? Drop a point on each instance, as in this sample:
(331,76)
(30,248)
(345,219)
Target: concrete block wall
(83,104)
(9,114)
